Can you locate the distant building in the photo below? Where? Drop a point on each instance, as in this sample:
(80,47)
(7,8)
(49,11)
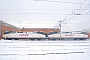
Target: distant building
(7,27)
(45,30)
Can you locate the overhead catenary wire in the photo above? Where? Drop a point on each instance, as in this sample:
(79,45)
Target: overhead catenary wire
(88,13)
(39,13)
(23,11)
(35,9)
(59,2)
(73,16)
(71,11)
(65,19)
(8,11)
(79,8)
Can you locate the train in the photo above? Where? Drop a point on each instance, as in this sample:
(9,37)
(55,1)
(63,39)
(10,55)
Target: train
(76,35)
(23,35)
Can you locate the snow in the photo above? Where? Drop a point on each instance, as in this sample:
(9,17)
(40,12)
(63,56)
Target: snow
(44,50)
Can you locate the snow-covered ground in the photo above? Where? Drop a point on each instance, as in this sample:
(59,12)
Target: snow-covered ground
(44,50)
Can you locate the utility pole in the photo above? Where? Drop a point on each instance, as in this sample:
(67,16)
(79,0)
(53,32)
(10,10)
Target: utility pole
(60,28)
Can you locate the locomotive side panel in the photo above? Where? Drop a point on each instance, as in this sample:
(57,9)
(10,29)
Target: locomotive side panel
(68,36)
(31,36)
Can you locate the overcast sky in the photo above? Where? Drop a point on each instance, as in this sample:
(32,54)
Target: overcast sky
(46,13)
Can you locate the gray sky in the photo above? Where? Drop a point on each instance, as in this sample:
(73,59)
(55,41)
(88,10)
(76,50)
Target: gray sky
(46,13)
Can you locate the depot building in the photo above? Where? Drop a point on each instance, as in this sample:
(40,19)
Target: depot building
(8,27)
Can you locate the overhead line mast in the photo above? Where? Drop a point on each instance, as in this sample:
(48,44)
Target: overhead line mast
(60,22)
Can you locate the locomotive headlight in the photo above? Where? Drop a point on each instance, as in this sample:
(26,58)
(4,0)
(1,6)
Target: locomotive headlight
(4,36)
(86,35)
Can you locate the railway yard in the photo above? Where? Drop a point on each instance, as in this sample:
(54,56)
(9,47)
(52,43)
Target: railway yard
(44,50)
(44,29)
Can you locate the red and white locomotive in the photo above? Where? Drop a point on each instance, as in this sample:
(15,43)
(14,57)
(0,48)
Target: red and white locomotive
(75,35)
(23,35)
(42,36)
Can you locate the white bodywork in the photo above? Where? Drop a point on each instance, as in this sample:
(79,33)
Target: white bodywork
(73,35)
(24,35)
